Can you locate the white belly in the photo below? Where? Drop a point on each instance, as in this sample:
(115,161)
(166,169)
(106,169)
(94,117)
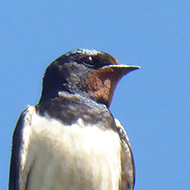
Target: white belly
(72,158)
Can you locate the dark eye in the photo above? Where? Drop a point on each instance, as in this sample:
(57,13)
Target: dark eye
(88,61)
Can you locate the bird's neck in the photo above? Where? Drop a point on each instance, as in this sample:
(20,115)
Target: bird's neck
(100,93)
(70,107)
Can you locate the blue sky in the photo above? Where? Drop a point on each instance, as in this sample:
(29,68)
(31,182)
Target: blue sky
(152,103)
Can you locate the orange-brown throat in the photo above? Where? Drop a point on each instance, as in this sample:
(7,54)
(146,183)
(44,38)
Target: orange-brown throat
(100,85)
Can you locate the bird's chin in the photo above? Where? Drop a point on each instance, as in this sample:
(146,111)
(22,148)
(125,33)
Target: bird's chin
(100,84)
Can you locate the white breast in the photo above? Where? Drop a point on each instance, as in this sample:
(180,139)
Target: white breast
(73,157)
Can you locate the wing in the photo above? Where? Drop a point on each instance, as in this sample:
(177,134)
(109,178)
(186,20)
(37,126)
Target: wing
(127,161)
(19,172)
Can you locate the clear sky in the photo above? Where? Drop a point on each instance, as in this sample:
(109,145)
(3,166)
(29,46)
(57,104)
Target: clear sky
(152,103)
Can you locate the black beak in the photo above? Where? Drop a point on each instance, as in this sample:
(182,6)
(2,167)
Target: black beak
(122,69)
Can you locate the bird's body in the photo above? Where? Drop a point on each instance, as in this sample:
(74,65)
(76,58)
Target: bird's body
(70,140)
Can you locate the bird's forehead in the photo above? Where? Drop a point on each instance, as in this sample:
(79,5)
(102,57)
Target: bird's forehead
(84,52)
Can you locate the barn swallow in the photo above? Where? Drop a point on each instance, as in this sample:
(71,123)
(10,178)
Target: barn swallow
(70,140)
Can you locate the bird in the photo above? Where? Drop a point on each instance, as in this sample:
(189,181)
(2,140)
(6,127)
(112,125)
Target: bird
(70,139)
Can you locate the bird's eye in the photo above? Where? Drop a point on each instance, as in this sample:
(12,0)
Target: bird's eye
(88,61)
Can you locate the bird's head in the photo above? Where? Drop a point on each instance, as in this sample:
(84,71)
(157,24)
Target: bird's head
(88,72)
